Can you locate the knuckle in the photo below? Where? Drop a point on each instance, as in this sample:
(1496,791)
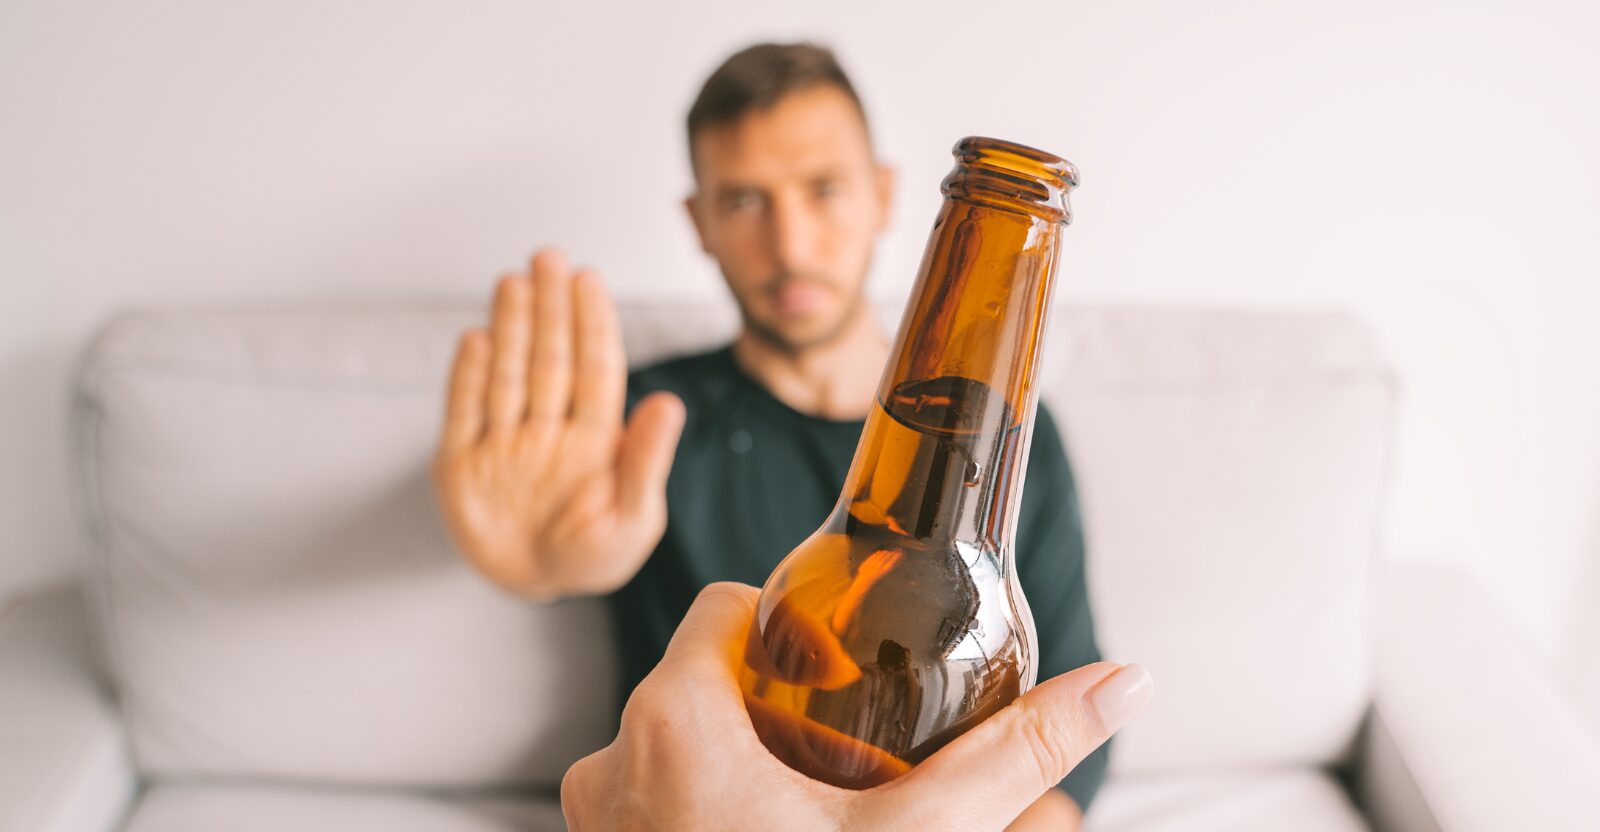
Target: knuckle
(593,444)
(1051,743)
(575,781)
(725,593)
(647,709)
(537,440)
(598,361)
(542,434)
(653,517)
(569,782)
(552,357)
(506,374)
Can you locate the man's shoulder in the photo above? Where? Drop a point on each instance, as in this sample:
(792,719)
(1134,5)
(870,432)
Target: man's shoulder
(691,375)
(679,368)
(1048,465)
(1047,430)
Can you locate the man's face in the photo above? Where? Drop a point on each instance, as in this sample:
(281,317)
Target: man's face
(789,202)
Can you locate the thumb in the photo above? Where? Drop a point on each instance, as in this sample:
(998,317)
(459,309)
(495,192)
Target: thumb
(720,616)
(649,443)
(989,775)
(701,665)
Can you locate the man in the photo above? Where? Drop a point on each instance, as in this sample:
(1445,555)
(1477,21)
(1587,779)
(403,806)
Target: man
(549,494)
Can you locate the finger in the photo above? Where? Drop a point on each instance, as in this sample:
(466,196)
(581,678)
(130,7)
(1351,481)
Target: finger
(550,371)
(601,371)
(509,333)
(993,772)
(645,458)
(717,621)
(469,378)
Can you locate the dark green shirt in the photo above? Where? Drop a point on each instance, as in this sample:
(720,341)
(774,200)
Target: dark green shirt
(754,477)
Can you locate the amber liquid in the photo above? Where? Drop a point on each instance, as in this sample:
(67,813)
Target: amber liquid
(897,626)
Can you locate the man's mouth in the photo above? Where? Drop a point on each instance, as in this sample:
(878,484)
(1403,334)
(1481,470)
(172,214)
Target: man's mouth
(800,297)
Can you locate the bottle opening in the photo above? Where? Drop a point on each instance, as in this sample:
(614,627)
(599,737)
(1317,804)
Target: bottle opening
(1010,175)
(1009,157)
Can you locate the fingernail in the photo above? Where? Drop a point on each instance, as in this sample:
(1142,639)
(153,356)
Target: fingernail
(1122,696)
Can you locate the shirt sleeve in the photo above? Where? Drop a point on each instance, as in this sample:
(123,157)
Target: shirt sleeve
(1050,566)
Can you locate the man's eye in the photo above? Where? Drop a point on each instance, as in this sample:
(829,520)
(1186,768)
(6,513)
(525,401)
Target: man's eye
(743,202)
(826,190)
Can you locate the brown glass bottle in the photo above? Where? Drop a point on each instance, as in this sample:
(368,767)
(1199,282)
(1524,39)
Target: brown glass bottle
(900,624)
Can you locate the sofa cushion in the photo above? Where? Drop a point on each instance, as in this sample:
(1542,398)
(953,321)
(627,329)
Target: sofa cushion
(1266,800)
(1304,800)
(1232,469)
(64,763)
(279,597)
(170,807)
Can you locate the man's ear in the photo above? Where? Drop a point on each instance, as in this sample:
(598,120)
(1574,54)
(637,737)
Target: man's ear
(691,206)
(883,183)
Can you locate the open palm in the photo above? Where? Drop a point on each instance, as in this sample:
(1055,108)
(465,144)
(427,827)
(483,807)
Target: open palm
(542,485)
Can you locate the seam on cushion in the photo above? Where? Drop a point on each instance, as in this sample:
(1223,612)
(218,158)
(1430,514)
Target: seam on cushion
(253,377)
(90,418)
(1373,377)
(68,779)
(55,780)
(1377,556)
(361,379)
(246,377)
(316,785)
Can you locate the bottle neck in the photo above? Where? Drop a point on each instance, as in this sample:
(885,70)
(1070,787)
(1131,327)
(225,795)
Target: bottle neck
(944,450)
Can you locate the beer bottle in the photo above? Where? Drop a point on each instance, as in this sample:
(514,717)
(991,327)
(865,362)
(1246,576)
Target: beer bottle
(900,624)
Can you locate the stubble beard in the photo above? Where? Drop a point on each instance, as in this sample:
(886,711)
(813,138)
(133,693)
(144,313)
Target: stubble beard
(795,347)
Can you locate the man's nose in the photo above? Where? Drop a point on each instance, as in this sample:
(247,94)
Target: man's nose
(794,235)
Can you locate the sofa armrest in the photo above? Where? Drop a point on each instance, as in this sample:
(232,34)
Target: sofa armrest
(64,762)
(1468,731)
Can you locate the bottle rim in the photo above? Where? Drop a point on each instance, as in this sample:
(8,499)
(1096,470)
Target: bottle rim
(1012,176)
(1018,159)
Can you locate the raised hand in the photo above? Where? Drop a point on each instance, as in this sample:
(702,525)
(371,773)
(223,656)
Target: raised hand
(542,486)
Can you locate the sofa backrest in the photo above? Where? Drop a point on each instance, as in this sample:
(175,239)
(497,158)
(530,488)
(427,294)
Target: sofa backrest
(277,599)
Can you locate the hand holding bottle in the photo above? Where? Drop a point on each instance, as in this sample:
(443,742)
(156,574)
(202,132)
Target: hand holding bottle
(543,487)
(687,757)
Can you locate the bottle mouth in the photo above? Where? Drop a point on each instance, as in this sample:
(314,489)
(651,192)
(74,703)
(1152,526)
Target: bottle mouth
(1011,175)
(1017,159)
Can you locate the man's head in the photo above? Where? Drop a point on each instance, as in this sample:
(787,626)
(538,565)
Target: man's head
(789,198)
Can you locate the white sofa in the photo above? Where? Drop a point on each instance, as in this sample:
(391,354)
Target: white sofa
(274,633)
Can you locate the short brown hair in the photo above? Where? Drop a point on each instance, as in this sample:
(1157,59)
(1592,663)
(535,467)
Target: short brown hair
(756,77)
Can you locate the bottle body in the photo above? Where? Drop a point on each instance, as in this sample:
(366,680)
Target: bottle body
(900,623)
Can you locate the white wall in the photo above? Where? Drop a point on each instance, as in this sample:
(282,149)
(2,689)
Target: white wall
(1434,165)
